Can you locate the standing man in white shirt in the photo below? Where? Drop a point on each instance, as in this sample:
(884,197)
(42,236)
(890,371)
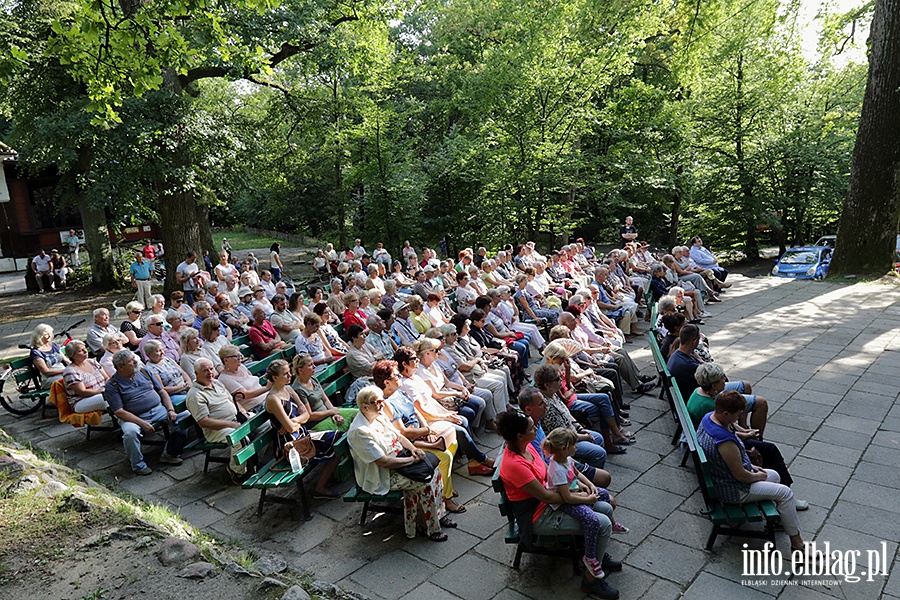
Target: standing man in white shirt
(185,274)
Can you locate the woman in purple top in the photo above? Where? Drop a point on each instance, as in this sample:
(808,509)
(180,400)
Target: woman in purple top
(736,479)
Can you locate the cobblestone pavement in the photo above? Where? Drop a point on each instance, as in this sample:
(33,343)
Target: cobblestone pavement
(824,355)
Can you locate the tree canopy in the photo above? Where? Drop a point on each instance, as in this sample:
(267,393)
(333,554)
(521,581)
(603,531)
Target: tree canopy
(482,121)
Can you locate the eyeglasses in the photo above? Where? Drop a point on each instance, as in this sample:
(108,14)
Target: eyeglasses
(136,312)
(154,324)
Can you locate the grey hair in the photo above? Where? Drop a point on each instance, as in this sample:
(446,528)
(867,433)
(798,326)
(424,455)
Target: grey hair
(493,293)
(372,320)
(656,267)
(390,284)
(601,269)
(174,314)
(447,329)
(122,357)
(133,305)
(153,319)
(157,297)
(503,289)
(201,364)
(73,347)
(708,373)
(665,303)
(577,299)
(97,311)
(110,337)
(202,305)
(152,345)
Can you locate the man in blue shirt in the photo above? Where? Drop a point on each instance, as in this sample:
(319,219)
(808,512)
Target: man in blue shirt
(138,400)
(140,272)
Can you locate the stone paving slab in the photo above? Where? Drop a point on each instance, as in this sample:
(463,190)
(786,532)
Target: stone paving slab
(821,353)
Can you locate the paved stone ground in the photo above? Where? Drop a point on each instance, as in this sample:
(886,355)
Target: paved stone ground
(825,356)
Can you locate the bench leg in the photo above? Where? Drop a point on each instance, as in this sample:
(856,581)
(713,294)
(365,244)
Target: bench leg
(684,458)
(518,559)
(576,562)
(303,499)
(713,535)
(365,511)
(262,502)
(206,463)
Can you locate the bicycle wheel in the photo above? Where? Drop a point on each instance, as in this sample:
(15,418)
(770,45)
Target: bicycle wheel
(24,399)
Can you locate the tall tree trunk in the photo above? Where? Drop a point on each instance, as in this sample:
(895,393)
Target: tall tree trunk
(180,231)
(206,239)
(96,232)
(868,226)
(676,197)
(751,246)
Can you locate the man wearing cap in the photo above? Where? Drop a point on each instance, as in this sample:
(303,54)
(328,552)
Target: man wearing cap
(403,325)
(140,271)
(245,302)
(40,264)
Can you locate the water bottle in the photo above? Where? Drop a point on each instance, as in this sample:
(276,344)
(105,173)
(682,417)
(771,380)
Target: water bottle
(294,458)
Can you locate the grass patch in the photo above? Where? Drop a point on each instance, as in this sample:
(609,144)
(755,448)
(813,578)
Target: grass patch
(240,240)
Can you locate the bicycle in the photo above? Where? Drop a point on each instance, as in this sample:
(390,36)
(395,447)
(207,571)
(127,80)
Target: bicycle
(26,382)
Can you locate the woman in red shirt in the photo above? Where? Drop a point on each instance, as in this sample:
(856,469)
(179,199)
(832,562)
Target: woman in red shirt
(353,315)
(524,472)
(263,338)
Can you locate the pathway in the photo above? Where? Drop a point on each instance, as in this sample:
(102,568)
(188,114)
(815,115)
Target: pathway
(825,356)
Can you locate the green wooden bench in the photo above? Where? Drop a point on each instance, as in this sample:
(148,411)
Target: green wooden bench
(241,340)
(725,518)
(547,545)
(662,371)
(385,503)
(265,479)
(27,382)
(200,444)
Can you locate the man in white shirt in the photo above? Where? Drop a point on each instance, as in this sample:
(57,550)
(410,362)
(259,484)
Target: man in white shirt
(358,249)
(265,280)
(41,267)
(100,328)
(185,274)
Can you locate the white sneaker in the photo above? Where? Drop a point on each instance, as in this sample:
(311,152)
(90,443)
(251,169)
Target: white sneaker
(802,504)
(705,315)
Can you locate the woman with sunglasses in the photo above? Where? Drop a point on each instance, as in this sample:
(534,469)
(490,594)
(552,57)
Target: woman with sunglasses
(133,326)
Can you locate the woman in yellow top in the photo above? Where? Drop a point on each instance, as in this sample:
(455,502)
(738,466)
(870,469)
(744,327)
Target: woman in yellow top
(418,315)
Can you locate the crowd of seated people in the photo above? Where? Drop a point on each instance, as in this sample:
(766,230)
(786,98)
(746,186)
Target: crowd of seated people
(457,335)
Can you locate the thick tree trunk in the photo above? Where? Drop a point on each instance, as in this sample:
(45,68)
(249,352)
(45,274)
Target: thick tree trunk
(676,197)
(206,240)
(868,226)
(96,232)
(180,231)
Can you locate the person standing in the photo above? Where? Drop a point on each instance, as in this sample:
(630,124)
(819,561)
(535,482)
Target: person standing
(140,271)
(149,251)
(628,232)
(74,246)
(276,266)
(184,275)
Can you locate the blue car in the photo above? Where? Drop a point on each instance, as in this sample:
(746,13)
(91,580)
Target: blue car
(804,262)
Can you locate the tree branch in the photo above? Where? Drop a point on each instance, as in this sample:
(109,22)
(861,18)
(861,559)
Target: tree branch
(286,51)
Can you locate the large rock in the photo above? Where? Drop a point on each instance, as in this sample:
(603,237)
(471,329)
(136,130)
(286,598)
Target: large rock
(11,466)
(269,565)
(295,592)
(25,484)
(268,583)
(53,488)
(198,570)
(174,551)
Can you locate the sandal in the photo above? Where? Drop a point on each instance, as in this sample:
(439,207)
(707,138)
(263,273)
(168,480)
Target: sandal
(617,450)
(459,507)
(448,522)
(438,536)
(625,441)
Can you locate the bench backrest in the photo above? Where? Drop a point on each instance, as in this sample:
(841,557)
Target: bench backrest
(259,444)
(497,485)
(23,370)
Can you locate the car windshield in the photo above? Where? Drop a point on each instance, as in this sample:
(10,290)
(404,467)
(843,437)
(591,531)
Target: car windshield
(803,257)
